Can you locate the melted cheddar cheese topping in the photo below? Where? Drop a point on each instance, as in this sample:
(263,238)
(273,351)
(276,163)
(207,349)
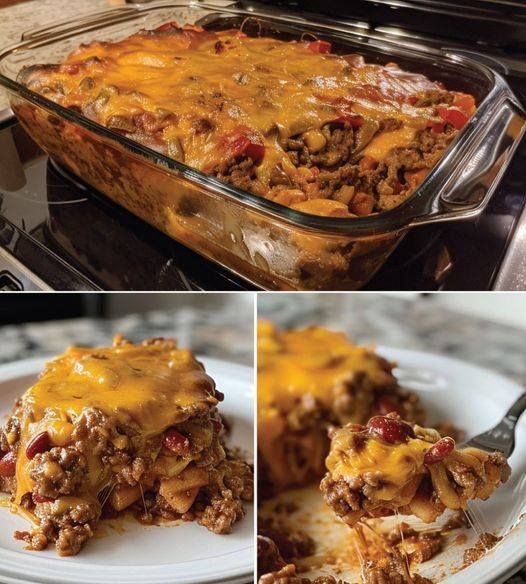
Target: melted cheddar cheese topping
(149,387)
(393,465)
(310,361)
(216,91)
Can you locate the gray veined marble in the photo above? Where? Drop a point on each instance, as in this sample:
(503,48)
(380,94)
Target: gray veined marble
(226,334)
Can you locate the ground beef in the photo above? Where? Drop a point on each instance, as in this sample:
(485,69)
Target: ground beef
(291,543)
(269,558)
(221,514)
(59,471)
(339,496)
(307,414)
(241,173)
(219,505)
(434,97)
(499,460)
(35,540)
(485,542)
(132,471)
(69,529)
(93,432)
(390,569)
(287,575)
(341,172)
(418,546)
(71,539)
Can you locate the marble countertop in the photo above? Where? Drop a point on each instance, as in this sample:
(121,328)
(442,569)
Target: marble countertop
(226,334)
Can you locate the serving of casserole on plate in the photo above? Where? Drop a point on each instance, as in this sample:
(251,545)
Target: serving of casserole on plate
(370,490)
(129,429)
(297,157)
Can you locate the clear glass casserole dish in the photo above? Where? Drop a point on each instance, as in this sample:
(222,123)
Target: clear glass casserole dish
(271,245)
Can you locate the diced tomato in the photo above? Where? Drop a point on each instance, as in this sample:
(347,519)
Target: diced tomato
(167,26)
(353,120)
(453,116)
(244,142)
(412,99)
(320,46)
(465,102)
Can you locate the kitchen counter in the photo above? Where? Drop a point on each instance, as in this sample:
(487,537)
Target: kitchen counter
(224,334)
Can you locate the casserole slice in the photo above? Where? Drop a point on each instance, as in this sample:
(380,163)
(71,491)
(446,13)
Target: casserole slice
(308,380)
(128,427)
(392,466)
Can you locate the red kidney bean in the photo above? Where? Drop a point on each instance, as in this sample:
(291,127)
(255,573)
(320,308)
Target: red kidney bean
(439,450)
(8,464)
(40,443)
(176,442)
(390,430)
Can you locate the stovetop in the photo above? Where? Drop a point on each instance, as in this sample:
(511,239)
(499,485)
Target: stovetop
(57,234)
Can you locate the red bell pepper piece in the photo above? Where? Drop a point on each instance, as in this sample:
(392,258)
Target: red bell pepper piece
(353,120)
(454,116)
(319,46)
(465,102)
(244,142)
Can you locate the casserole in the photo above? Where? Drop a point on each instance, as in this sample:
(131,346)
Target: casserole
(272,246)
(129,427)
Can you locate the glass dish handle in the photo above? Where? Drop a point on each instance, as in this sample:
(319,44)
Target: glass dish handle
(80,23)
(486,155)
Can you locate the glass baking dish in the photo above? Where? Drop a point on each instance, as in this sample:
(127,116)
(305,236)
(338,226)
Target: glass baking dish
(270,245)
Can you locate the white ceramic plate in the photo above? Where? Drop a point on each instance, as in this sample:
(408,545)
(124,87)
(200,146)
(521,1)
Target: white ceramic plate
(475,399)
(182,554)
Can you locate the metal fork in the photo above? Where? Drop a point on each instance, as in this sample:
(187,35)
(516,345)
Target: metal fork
(502,436)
